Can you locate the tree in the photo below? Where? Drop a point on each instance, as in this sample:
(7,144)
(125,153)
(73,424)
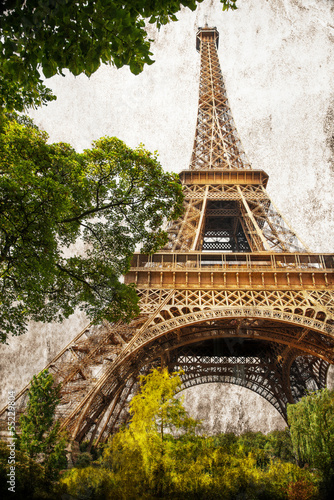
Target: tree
(279,445)
(141,454)
(195,466)
(311,423)
(111,198)
(79,35)
(39,432)
(155,409)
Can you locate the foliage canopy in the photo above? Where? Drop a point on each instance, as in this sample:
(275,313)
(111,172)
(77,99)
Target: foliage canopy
(80,35)
(111,198)
(155,409)
(311,423)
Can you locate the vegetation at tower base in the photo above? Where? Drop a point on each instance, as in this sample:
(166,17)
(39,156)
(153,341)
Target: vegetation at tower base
(39,452)
(31,480)
(160,455)
(311,423)
(80,35)
(39,436)
(154,411)
(110,197)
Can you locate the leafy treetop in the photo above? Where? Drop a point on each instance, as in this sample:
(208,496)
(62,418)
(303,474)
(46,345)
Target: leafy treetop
(155,408)
(110,198)
(140,453)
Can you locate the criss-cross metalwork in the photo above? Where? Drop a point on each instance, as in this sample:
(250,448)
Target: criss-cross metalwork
(217,144)
(234,297)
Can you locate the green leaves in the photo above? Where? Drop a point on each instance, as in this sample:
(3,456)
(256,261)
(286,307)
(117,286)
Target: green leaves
(140,455)
(144,461)
(16,96)
(155,408)
(78,35)
(311,423)
(39,433)
(229,4)
(99,204)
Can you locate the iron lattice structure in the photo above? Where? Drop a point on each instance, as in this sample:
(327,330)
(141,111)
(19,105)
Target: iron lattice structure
(234,297)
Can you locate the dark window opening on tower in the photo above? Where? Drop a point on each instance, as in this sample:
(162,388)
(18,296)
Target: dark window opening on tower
(223,231)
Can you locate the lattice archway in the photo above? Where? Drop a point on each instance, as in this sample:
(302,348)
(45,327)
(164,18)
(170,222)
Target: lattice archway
(290,338)
(264,373)
(222,379)
(267,377)
(304,330)
(307,373)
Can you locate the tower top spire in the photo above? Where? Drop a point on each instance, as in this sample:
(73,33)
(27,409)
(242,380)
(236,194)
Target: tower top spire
(217,145)
(207,34)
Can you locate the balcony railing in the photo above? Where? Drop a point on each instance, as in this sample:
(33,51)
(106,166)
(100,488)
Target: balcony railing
(247,261)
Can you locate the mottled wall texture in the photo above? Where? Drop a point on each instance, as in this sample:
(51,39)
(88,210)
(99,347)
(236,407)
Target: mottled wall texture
(277,60)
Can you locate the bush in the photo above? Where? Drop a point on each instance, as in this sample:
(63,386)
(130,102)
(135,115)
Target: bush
(83,460)
(31,482)
(90,483)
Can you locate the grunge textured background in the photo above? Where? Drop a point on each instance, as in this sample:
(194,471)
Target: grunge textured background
(277,60)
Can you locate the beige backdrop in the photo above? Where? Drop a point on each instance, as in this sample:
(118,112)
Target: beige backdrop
(277,60)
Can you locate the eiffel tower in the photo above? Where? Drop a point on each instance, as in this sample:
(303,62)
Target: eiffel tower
(234,297)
